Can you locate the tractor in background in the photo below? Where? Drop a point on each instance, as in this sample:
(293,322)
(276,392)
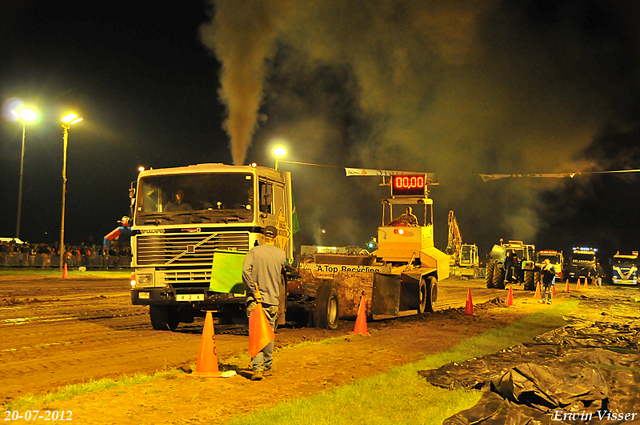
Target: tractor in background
(497,274)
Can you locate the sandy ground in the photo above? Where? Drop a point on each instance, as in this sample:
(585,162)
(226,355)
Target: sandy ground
(57,332)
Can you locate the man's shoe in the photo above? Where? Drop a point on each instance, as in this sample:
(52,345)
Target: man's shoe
(267,372)
(257,375)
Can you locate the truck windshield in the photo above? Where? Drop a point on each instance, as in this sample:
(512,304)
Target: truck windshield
(628,262)
(583,257)
(553,258)
(195,198)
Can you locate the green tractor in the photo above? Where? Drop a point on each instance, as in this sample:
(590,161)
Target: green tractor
(520,269)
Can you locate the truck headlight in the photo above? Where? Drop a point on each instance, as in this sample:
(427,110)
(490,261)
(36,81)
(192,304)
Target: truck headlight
(144,279)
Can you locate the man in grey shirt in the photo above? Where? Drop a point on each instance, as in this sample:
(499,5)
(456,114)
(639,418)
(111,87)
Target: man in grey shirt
(264,264)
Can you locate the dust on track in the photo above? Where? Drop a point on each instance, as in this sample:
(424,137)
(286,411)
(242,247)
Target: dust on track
(64,331)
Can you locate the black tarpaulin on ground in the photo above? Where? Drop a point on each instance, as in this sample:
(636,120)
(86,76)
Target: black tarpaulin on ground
(575,374)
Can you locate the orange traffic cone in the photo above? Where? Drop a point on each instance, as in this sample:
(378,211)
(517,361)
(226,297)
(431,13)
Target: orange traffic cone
(361,320)
(260,331)
(578,285)
(586,283)
(567,289)
(510,296)
(468,309)
(538,295)
(207,363)
(65,272)
(553,290)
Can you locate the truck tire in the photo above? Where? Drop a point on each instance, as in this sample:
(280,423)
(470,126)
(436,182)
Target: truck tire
(529,282)
(498,277)
(327,312)
(488,278)
(163,317)
(536,278)
(432,293)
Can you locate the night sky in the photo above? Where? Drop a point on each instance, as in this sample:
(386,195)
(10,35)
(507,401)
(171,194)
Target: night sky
(455,88)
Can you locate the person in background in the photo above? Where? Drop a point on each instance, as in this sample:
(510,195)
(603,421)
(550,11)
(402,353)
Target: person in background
(548,273)
(178,204)
(599,274)
(406,219)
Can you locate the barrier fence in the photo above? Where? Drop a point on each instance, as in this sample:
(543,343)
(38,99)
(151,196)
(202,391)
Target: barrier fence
(92,261)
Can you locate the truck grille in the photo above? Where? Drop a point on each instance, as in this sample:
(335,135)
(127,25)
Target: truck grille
(186,249)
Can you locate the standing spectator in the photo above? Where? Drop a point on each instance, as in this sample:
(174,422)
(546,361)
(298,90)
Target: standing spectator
(263,265)
(599,274)
(548,273)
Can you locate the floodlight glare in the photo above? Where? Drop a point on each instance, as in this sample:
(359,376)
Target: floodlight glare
(71,119)
(279,151)
(28,115)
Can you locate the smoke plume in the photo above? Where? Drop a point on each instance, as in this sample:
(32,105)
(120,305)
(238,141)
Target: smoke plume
(242,36)
(457,88)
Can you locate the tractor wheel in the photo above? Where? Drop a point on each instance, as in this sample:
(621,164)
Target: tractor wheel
(327,311)
(432,293)
(488,278)
(498,277)
(163,317)
(529,282)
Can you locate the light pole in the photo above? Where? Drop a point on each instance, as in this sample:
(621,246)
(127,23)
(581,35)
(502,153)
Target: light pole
(67,121)
(26,115)
(278,152)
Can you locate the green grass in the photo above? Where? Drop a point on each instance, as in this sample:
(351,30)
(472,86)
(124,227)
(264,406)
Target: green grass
(401,396)
(28,401)
(102,274)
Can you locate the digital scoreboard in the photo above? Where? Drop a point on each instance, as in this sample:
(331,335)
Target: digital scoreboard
(409,185)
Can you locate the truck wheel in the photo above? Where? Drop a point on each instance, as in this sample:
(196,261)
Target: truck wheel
(163,317)
(536,278)
(488,278)
(327,312)
(498,277)
(432,293)
(529,284)
(422,294)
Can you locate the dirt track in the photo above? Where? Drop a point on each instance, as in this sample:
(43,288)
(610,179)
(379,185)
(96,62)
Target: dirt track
(62,331)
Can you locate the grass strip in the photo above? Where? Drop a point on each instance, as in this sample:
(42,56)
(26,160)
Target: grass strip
(29,400)
(400,396)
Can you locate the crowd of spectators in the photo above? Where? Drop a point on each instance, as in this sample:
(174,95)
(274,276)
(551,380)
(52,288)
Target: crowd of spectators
(15,254)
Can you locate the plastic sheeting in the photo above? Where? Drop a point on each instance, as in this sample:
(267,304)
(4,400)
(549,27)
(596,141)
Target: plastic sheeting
(587,372)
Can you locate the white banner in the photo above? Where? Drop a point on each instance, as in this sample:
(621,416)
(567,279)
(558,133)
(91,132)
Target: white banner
(487,177)
(359,172)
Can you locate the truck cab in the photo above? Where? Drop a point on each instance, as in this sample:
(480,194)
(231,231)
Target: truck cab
(624,269)
(583,259)
(182,216)
(555,258)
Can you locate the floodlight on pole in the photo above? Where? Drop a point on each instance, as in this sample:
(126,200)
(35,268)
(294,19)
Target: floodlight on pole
(67,121)
(278,152)
(25,115)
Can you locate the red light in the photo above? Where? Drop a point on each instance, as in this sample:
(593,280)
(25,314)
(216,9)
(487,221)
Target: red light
(399,231)
(409,182)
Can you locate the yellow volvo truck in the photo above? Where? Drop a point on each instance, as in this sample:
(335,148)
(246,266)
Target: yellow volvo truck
(193,225)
